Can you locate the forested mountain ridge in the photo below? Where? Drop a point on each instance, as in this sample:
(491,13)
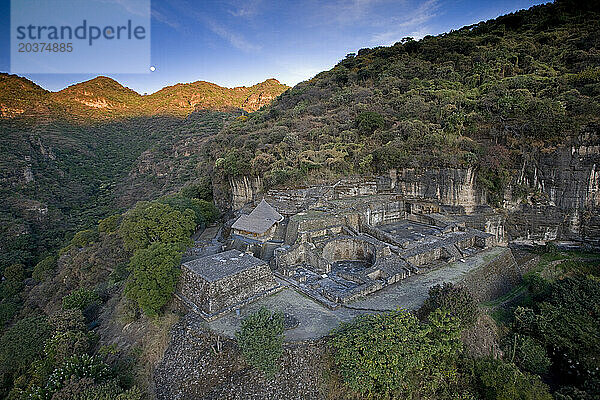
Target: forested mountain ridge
(104,98)
(473,97)
(63,153)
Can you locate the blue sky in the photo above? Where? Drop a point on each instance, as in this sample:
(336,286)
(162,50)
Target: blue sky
(236,43)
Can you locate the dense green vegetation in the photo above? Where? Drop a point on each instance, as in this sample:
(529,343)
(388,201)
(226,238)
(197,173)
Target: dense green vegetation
(260,339)
(154,273)
(74,169)
(556,329)
(485,96)
(81,175)
(457,301)
(394,355)
(53,354)
(52,360)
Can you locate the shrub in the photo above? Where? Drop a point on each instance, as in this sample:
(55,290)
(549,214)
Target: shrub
(156,222)
(8,309)
(80,299)
(572,393)
(13,280)
(68,320)
(497,380)
(86,389)
(368,122)
(84,238)
(44,268)
(14,272)
(457,301)
(537,286)
(528,354)
(204,211)
(154,274)
(261,340)
(208,210)
(65,344)
(531,356)
(395,355)
(201,190)
(22,343)
(109,224)
(525,321)
(232,164)
(569,323)
(78,366)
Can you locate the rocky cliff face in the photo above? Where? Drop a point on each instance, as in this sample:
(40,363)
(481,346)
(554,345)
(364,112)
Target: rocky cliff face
(566,184)
(562,203)
(245,190)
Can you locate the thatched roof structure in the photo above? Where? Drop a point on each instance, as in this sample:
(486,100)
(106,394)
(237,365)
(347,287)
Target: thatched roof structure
(260,220)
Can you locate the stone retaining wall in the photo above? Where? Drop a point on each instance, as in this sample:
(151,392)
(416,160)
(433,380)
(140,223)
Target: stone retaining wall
(495,278)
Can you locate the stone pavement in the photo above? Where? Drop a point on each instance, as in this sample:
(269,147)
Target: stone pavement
(317,321)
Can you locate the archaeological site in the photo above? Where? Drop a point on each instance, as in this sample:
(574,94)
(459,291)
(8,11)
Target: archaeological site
(356,245)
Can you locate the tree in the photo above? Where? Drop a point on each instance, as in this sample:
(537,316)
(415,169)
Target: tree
(8,309)
(529,354)
(204,211)
(456,300)
(109,224)
(497,380)
(569,323)
(13,280)
(156,222)
(44,268)
(154,275)
(84,238)
(14,273)
(201,190)
(261,340)
(22,343)
(394,354)
(80,299)
(368,122)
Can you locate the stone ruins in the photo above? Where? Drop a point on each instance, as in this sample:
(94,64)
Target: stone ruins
(333,248)
(215,284)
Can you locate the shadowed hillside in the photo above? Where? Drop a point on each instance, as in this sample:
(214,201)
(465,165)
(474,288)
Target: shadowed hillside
(64,153)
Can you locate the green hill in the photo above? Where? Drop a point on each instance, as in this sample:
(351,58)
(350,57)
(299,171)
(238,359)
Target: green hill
(104,98)
(62,154)
(481,97)
(184,98)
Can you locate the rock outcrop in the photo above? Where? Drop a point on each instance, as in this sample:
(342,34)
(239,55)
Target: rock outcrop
(562,200)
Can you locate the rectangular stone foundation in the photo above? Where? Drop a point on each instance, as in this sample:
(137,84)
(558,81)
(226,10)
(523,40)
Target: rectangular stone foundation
(219,283)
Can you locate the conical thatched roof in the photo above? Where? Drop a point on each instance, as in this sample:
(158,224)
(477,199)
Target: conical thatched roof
(259,220)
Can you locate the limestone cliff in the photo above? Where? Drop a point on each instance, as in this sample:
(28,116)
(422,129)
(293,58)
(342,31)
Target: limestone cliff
(562,200)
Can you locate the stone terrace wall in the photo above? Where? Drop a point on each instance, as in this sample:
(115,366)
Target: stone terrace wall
(212,297)
(494,279)
(237,288)
(303,253)
(194,288)
(348,248)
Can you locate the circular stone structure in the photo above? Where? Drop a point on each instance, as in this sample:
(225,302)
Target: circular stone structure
(290,321)
(349,249)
